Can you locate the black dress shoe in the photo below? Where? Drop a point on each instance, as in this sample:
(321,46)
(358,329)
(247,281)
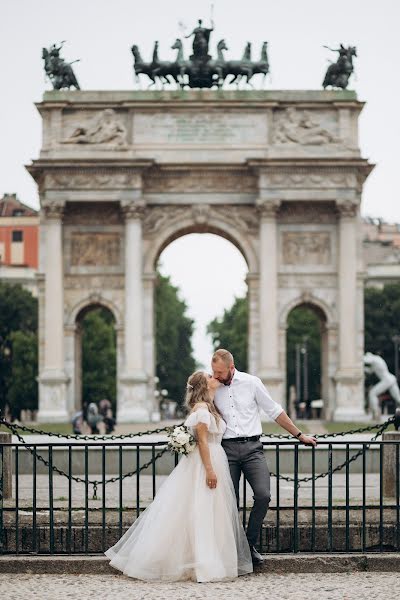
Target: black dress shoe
(256,557)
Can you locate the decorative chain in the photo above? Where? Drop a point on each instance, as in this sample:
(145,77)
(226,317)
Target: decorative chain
(381,429)
(14,428)
(95,483)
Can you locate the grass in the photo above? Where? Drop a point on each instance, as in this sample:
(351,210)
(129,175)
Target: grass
(338,426)
(48,427)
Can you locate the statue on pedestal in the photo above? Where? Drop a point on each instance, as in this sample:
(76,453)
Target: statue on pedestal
(57,70)
(338,73)
(375,364)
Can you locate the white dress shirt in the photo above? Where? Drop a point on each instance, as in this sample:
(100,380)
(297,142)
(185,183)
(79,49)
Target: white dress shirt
(240,402)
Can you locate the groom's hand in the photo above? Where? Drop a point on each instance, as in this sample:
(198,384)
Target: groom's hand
(308,440)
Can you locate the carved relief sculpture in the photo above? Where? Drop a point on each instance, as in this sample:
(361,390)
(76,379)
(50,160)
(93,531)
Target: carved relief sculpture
(298,127)
(95,249)
(106,129)
(306,248)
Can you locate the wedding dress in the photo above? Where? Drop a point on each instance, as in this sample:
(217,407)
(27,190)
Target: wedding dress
(189,531)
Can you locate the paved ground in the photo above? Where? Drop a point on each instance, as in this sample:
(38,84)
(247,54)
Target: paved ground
(318,586)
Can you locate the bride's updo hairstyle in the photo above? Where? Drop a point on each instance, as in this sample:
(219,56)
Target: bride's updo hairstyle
(197,391)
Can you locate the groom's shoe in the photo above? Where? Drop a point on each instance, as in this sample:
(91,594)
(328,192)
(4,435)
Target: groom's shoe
(256,557)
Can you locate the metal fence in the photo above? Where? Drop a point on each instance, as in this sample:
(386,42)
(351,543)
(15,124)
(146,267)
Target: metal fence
(76,497)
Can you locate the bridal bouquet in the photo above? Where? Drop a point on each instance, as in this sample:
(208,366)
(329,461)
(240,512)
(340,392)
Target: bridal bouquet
(181,440)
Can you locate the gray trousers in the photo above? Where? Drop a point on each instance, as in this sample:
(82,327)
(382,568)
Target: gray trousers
(248,458)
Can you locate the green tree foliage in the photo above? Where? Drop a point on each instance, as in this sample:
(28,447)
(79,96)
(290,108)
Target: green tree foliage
(23,387)
(231,331)
(98,356)
(382,320)
(174,332)
(303,322)
(18,312)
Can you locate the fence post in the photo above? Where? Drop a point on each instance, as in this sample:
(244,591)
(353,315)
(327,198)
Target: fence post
(389,463)
(6,465)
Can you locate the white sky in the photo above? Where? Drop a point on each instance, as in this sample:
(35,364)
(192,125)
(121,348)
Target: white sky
(101,32)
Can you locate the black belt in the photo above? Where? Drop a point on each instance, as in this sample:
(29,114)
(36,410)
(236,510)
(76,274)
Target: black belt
(252,438)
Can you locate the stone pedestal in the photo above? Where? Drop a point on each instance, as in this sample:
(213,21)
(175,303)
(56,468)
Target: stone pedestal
(6,465)
(391,469)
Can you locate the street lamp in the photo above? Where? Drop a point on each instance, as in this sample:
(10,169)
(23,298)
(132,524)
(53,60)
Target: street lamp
(396,342)
(304,351)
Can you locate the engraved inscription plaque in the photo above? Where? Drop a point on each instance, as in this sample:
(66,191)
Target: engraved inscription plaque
(205,128)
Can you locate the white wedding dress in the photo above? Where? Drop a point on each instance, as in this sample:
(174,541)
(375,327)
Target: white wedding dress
(189,531)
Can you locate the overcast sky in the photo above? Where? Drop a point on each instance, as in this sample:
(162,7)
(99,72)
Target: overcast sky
(101,32)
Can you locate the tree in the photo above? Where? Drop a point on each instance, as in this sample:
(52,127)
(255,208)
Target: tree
(382,320)
(231,331)
(23,387)
(18,312)
(98,356)
(303,322)
(174,330)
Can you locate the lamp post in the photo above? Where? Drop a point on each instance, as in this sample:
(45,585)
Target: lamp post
(304,351)
(298,375)
(396,342)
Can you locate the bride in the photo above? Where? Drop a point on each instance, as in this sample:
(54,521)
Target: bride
(192,529)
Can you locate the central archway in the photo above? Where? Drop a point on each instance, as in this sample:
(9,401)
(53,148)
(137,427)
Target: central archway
(176,233)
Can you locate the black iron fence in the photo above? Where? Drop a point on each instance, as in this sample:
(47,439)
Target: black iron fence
(78,496)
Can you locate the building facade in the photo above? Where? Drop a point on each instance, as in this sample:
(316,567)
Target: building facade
(123,174)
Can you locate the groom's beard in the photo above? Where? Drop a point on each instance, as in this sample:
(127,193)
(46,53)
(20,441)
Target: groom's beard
(228,380)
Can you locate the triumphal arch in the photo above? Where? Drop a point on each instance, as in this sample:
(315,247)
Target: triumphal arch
(122,174)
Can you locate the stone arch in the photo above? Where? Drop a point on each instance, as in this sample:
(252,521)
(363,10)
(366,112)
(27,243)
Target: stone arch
(73,342)
(327,336)
(186,226)
(308,299)
(89,302)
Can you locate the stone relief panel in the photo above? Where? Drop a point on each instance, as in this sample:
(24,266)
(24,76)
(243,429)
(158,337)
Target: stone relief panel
(238,180)
(244,218)
(294,126)
(94,282)
(104,129)
(88,179)
(92,213)
(195,128)
(306,248)
(308,213)
(308,178)
(95,249)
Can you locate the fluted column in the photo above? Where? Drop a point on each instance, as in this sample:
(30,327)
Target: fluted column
(132,406)
(52,378)
(349,377)
(269,370)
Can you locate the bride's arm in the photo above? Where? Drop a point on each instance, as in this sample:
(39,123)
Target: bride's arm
(202,440)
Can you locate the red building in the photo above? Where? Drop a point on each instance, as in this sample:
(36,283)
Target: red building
(19,241)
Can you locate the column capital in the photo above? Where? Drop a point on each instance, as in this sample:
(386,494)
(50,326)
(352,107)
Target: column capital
(347,209)
(53,209)
(267,208)
(133,209)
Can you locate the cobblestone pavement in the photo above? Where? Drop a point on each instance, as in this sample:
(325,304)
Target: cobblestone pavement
(321,586)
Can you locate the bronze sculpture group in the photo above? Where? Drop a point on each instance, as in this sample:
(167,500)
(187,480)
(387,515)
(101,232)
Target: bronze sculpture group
(200,70)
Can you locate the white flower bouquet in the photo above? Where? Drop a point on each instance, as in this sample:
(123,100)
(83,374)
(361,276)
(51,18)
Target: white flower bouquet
(181,440)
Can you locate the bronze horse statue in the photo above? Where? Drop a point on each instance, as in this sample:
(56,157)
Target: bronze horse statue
(338,73)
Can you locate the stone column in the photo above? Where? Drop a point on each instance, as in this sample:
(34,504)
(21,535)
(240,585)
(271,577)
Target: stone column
(253,342)
(52,378)
(349,376)
(132,404)
(269,368)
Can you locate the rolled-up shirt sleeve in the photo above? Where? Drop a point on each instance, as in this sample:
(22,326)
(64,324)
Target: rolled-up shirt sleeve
(264,401)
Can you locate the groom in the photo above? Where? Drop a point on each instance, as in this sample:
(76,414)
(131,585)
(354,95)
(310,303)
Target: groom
(239,401)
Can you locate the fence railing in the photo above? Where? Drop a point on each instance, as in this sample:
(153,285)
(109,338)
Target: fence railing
(76,497)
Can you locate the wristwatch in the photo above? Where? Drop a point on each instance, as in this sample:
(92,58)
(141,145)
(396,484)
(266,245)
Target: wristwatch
(299,434)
